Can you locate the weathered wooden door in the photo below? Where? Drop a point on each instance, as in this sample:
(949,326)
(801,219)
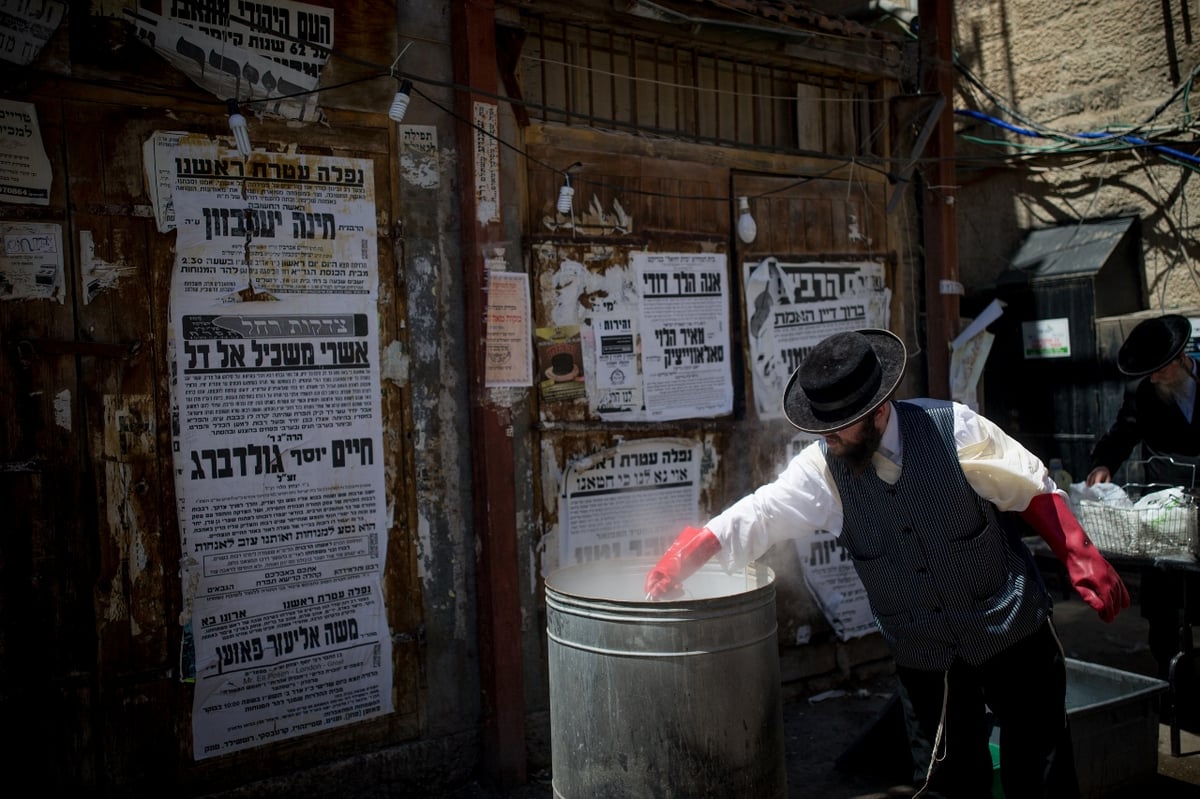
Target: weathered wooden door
(91,607)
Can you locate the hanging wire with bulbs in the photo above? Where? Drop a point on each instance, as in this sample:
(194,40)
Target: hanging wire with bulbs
(747,229)
(399,105)
(746,226)
(566,194)
(400,101)
(237,124)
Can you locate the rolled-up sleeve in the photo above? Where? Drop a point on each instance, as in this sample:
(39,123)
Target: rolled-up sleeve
(798,502)
(997,466)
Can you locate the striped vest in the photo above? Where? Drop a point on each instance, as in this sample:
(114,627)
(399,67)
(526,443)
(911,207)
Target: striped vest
(943,577)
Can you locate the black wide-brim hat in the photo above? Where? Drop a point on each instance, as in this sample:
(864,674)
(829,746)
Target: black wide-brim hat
(1153,344)
(843,379)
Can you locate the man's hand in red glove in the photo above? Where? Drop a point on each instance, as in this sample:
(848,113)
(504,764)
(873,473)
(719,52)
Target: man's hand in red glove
(1093,577)
(693,547)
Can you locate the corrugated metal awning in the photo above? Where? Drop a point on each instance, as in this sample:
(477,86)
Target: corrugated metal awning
(1081,248)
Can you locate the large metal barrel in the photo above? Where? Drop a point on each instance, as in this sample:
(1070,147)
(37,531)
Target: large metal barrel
(664,700)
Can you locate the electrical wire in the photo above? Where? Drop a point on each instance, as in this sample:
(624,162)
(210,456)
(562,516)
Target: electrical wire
(1063,144)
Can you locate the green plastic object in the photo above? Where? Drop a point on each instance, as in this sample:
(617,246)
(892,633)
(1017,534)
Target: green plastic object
(997,791)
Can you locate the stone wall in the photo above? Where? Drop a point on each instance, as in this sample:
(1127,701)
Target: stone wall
(1071,68)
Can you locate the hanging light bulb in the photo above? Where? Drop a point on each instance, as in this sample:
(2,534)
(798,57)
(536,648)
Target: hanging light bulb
(565,195)
(746,229)
(237,124)
(400,101)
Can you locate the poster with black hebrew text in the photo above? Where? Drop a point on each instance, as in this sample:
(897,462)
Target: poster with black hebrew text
(684,324)
(791,307)
(278,444)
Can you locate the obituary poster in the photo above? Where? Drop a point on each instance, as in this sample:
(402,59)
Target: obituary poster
(831,578)
(278,445)
(228,64)
(630,500)
(791,307)
(828,570)
(684,324)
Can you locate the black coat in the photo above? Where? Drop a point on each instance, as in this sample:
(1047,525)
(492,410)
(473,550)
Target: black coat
(1162,430)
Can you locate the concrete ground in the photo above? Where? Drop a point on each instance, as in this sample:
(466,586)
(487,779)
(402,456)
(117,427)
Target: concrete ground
(852,727)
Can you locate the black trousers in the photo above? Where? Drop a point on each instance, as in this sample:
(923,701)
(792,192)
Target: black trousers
(1025,689)
(1169,600)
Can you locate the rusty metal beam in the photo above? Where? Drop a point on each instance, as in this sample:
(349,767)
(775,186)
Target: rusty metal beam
(493,482)
(942,286)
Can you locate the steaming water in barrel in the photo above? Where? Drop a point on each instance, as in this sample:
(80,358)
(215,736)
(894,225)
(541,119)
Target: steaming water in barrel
(664,699)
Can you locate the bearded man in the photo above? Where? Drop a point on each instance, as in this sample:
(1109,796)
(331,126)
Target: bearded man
(1159,412)
(914,491)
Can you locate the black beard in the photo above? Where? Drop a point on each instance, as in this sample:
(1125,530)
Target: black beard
(857,457)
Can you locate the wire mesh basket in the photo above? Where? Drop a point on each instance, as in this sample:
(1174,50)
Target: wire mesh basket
(1161,520)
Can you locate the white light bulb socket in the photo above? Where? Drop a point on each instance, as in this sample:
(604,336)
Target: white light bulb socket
(400,102)
(747,230)
(565,196)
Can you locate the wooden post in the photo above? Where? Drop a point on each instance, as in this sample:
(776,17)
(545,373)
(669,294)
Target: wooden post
(942,286)
(494,487)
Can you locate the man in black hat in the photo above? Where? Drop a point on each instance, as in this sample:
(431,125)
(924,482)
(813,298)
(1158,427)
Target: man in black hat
(914,491)
(1159,411)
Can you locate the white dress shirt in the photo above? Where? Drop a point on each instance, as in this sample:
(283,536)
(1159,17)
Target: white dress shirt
(803,498)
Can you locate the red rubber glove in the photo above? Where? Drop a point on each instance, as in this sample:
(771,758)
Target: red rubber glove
(1093,577)
(693,547)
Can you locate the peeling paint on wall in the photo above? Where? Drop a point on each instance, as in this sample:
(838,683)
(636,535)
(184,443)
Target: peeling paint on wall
(128,426)
(419,156)
(124,518)
(128,441)
(395,363)
(571,289)
(594,221)
(552,476)
(710,462)
(62,409)
(424,547)
(537,555)
(98,274)
(423,315)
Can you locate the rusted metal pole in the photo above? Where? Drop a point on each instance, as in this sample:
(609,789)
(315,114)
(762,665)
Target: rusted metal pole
(942,286)
(493,481)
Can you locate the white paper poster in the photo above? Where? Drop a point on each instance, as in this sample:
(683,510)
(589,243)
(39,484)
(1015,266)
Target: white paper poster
(25,175)
(278,444)
(618,383)
(158,170)
(684,323)
(830,576)
(791,307)
(31,261)
(509,360)
(1047,338)
(296,35)
(25,27)
(227,69)
(628,501)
